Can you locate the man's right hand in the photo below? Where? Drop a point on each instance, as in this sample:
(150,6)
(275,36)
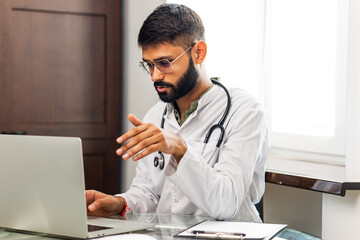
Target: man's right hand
(103,205)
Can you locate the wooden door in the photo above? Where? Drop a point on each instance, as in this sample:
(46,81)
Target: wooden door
(60,75)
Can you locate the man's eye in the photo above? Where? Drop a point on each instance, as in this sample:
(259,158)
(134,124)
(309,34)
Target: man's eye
(149,64)
(163,63)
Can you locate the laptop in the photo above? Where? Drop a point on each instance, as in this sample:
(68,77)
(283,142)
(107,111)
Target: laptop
(43,191)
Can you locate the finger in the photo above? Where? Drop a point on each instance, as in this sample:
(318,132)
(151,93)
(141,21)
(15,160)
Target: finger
(151,149)
(89,196)
(96,205)
(131,133)
(141,146)
(134,120)
(107,205)
(136,140)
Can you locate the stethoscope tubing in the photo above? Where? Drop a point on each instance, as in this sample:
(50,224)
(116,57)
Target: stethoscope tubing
(159,159)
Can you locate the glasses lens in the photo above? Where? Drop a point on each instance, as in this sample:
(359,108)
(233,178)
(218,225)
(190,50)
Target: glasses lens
(146,66)
(164,65)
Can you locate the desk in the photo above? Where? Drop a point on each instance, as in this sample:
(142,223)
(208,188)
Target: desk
(310,183)
(166,226)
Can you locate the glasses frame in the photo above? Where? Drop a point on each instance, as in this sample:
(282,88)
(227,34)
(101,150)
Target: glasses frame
(158,66)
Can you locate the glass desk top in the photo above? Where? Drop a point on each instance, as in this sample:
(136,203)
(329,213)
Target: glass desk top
(167,226)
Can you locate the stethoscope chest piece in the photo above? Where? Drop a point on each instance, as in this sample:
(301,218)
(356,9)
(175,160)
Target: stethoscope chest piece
(159,160)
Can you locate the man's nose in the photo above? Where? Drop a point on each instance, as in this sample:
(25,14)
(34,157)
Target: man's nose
(157,75)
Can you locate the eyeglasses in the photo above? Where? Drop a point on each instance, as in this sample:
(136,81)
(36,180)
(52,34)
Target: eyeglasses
(164,65)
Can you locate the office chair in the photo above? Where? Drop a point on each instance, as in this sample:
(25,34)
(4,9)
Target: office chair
(260,208)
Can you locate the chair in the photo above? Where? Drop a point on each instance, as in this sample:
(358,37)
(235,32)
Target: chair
(260,208)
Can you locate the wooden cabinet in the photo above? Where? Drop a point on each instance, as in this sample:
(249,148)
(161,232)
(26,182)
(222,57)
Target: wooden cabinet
(60,75)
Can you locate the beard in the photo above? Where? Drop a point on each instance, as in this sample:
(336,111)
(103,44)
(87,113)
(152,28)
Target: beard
(186,83)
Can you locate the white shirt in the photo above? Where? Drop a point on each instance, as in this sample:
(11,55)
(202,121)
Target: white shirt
(223,183)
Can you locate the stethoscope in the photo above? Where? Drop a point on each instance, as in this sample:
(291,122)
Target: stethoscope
(159,159)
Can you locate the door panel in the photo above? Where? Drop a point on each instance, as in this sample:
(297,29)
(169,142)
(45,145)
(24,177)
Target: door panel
(59,75)
(69,60)
(61,63)
(100,172)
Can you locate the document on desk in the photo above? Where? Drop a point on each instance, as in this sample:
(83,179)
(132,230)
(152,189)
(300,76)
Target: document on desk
(232,230)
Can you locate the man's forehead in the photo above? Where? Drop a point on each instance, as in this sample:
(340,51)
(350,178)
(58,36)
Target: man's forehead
(160,51)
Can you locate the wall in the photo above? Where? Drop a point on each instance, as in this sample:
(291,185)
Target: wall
(300,209)
(341,216)
(323,215)
(138,91)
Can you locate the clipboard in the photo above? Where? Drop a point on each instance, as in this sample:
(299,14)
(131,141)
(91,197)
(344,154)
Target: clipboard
(209,229)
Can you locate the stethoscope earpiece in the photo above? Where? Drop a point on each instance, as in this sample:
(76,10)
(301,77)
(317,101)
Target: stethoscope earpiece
(159,160)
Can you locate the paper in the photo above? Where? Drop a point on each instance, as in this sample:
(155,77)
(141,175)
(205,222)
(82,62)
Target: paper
(251,230)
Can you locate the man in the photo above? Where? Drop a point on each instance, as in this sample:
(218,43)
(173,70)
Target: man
(221,182)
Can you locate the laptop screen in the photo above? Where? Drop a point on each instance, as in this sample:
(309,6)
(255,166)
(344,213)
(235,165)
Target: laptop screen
(42,185)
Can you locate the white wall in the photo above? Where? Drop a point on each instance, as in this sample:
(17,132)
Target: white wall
(298,208)
(138,91)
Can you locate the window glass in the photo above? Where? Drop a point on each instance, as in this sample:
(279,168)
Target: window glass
(303,66)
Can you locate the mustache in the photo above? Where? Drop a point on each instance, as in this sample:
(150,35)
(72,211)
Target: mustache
(163,84)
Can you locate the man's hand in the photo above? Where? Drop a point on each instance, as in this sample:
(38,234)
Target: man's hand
(103,205)
(146,138)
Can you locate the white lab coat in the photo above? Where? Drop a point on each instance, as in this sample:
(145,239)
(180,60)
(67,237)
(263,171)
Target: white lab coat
(223,182)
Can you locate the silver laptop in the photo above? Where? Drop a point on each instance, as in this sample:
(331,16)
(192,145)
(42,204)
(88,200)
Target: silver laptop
(42,189)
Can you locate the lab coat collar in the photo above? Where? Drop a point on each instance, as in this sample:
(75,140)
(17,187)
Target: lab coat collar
(208,97)
(203,102)
(170,116)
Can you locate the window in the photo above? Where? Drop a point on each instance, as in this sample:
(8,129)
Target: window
(305,60)
(292,54)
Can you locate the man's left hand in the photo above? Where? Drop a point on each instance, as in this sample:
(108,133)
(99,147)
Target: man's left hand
(146,138)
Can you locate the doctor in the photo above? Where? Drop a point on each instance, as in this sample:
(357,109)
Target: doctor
(221,182)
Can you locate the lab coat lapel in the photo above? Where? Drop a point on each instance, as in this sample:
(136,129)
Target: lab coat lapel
(170,121)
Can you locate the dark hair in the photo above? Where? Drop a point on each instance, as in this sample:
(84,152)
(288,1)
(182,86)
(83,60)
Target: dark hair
(172,23)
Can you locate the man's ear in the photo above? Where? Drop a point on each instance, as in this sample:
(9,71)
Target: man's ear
(200,52)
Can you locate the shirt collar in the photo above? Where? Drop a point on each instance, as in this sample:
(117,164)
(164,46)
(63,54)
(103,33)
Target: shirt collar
(193,107)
